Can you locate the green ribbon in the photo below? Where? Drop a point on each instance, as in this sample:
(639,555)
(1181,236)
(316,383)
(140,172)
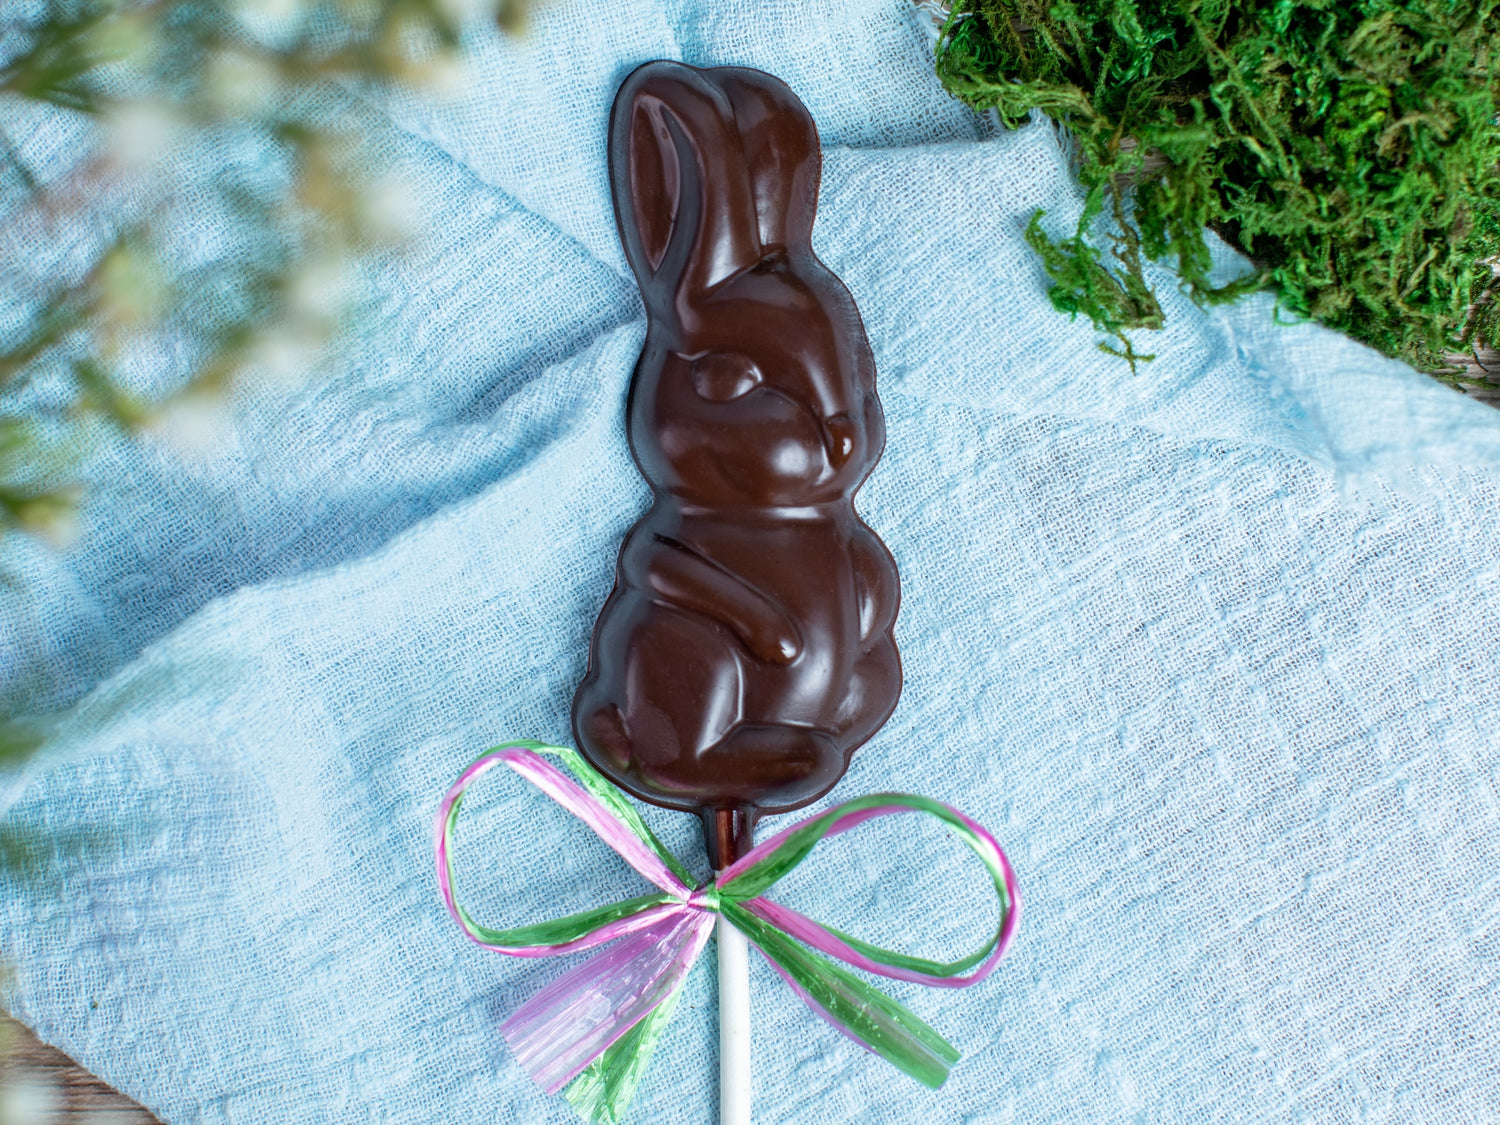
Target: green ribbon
(560,1035)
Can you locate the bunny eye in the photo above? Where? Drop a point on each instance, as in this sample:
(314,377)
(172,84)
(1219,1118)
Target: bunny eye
(724,376)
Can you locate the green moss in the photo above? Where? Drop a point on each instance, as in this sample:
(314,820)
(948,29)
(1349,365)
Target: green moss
(1348,147)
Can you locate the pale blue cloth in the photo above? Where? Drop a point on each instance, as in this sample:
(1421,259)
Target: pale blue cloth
(1211,647)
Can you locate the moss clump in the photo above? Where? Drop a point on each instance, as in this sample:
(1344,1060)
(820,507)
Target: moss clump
(1348,147)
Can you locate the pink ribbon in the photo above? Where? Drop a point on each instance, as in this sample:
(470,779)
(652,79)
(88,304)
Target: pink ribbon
(570,1023)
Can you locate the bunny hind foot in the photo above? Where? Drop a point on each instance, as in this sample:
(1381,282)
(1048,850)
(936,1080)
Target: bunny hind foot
(604,739)
(772,766)
(874,688)
(606,742)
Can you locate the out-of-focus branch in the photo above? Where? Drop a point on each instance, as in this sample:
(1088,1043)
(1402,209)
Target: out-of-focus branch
(150,78)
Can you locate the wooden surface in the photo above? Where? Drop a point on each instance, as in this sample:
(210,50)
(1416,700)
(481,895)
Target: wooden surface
(36,1077)
(1481,377)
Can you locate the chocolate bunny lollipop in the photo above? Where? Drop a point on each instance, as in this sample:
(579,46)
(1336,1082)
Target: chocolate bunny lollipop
(746,648)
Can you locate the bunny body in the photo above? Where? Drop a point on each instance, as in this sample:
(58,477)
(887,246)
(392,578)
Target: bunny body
(746,648)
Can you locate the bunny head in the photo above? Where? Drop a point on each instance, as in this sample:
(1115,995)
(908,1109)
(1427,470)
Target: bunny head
(756,386)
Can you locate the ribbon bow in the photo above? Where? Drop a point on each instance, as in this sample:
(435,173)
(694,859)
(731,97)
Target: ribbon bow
(593,1029)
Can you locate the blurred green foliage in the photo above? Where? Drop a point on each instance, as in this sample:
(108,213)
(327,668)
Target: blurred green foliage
(151,77)
(146,328)
(1348,147)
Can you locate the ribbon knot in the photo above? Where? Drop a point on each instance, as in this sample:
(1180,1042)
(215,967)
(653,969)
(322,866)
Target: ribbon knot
(705,897)
(594,1028)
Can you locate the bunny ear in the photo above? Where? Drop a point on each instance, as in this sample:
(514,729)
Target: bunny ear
(782,156)
(682,194)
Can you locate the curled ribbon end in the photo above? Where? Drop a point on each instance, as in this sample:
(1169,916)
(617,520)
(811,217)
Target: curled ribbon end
(591,1032)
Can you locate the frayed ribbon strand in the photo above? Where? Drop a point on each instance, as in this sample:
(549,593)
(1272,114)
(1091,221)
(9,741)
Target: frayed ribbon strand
(591,1032)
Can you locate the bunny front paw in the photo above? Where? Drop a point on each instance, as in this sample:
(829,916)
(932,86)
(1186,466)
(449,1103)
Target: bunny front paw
(677,576)
(778,765)
(774,642)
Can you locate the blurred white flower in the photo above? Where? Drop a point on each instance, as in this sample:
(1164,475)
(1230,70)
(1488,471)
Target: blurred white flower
(195,424)
(270,21)
(125,37)
(30,1101)
(390,210)
(423,59)
(464,11)
(241,83)
(444,74)
(138,133)
(284,357)
(318,292)
(132,291)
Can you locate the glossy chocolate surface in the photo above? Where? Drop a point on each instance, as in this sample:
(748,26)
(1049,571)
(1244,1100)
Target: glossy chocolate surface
(746,648)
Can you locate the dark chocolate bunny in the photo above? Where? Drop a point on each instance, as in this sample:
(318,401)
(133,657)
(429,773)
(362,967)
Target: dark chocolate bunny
(746,648)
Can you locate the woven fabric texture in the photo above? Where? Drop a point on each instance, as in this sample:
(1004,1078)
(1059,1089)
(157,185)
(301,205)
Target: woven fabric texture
(1210,646)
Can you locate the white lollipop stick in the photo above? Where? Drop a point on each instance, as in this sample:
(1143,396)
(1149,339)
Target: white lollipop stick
(734,1026)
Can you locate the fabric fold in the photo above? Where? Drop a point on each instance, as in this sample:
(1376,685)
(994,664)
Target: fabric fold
(1219,713)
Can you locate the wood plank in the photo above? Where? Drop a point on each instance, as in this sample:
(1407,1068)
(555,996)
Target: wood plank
(1481,377)
(50,1077)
